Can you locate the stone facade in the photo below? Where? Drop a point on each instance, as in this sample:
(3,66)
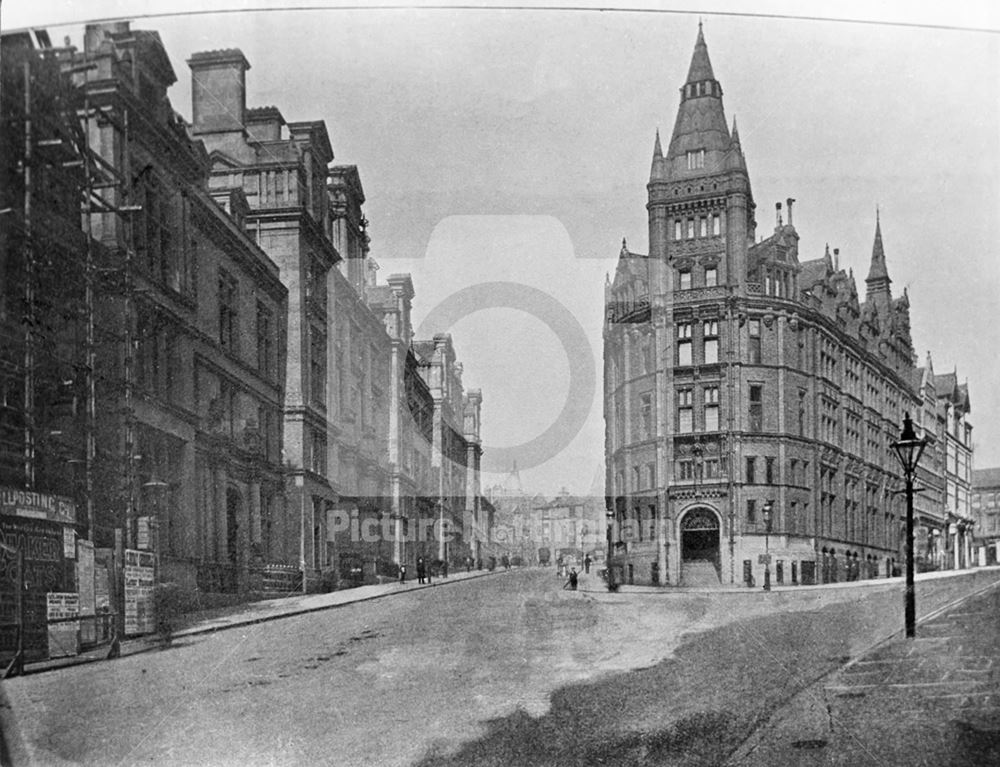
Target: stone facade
(190,346)
(986,515)
(741,378)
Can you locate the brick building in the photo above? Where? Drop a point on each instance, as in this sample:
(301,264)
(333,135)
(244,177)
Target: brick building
(743,381)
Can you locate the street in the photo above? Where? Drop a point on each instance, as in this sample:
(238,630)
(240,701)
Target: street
(508,669)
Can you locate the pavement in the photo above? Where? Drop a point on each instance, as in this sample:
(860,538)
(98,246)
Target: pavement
(930,700)
(250,613)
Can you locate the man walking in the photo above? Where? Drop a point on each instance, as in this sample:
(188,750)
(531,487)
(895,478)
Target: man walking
(402,573)
(420,570)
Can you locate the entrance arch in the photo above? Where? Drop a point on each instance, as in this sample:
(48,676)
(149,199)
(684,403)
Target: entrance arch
(700,536)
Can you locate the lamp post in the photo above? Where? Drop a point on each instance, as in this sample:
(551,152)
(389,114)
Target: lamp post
(766,513)
(909,449)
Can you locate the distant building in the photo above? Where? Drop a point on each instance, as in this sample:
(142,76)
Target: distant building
(986,515)
(751,395)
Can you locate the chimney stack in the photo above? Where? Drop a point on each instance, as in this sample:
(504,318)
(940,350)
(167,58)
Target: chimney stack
(218,91)
(777,213)
(836,259)
(789,202)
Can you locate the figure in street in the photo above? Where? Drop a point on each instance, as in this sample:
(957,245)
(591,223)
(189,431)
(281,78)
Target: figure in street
(421,570)
(586,563)
(402,573)
(573,579)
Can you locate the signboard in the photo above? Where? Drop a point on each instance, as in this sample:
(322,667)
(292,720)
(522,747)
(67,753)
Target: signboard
(139,581)
(27,503)
(69,543)
(85,587)
(41,543)
(144,533)
(763,559)
(64,632)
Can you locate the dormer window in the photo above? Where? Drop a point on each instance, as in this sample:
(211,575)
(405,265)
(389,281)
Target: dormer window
(696,159)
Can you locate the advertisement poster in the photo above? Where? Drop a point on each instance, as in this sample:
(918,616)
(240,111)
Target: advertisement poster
(64,626)
(69,543)
(41,541)
(139,579)
(85,587)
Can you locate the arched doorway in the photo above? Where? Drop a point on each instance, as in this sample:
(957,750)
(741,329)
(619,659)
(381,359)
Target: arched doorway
(700,538)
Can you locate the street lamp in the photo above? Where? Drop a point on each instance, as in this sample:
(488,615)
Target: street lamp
(909,449)
(766,513)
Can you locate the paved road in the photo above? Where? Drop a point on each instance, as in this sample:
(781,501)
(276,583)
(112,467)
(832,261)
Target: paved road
(505,670)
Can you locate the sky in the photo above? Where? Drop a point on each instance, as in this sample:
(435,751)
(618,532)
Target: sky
(504,156)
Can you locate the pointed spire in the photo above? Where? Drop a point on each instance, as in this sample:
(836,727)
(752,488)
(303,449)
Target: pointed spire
(878,273)
(658,170)
(736,132)
(701,66)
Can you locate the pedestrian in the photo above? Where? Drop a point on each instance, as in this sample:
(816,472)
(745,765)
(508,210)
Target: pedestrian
(421,570)
(586,563)
(572,582)
(468,564)
(402,573)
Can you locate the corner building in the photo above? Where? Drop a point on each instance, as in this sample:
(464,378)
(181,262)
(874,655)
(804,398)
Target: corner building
(740,378)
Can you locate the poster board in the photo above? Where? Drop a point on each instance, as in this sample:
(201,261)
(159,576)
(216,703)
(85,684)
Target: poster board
(64,632)
(139,582)
(86,589)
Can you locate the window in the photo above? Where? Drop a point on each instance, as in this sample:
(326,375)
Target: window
(317,366)
(317,454)
(716,224)
(646,409)
(651,475)
(265,341)
(678,229)
(710,468)
(751,511)
(684,343)
(802,412)
(685,469)
(647,354)
(227,311)
(754,330)
(769,471)
(710,331)
(685,420)
(711,408)
(711,277)
(690,229)
(696,159)
(703,226)
(685,279)
(315,284)
(756,407)
(636,478)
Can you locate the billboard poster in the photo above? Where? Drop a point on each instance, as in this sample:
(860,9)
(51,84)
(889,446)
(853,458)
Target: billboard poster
(139,580)
(41,542)
(63,613)
(86,588)
(69,543)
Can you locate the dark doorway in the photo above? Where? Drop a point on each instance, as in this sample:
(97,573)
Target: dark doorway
(233,504)
(700,537)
